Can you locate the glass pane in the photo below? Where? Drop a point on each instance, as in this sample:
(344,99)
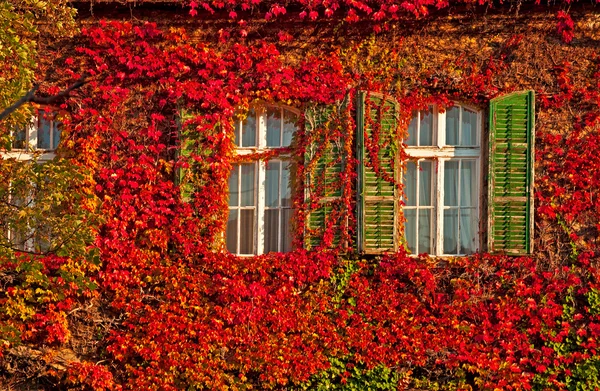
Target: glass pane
(232,229)
(410,184)
(426,127)
(452,118)
(450,231)
(42,239)
(272,184)
(412,131)
(451,183)
(286,185)
(43,133)
(410,229)
(273,127)
(271,229)
(247,196)
(468,230)
(425,231)
(425,179)
(56,135)
(249,130)
(289,128)
(233,186)
(468,183)
(469,128)
(286,230)
(20,138)
(246,231)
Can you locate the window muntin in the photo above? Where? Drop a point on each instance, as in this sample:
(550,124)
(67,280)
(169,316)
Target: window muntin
(263,224)
(442,181)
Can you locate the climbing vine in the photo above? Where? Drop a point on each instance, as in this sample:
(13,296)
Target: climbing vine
(176,311)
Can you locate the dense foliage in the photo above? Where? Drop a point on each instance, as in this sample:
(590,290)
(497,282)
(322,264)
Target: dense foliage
(155,303)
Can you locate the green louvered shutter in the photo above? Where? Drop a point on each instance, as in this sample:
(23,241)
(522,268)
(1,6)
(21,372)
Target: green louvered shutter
(377,197)
(324,164)
(511,173)
(184,175)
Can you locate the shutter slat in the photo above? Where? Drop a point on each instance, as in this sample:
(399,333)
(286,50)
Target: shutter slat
(377,205)
(511,173)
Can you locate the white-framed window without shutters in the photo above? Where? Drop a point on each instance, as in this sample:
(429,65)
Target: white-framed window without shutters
(33,142)
(42,134)
(260,192)
(442,181)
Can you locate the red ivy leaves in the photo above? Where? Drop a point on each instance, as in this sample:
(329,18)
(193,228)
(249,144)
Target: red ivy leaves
(565,26)
(195,315)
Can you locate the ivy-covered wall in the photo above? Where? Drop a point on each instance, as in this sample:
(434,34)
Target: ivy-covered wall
(155,303)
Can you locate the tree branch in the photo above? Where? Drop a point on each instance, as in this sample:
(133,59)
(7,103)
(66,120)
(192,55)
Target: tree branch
(27,98)
(30,97)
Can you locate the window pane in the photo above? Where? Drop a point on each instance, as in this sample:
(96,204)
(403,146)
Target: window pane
(233,186)
(247,190)
(273,127)
(425,179)
(43,133)
(410,229)
(232,229)
(450,231)
(249,130)
(426,127)
(468,183)
(289,128)
(452,118)
(246,231)
(20,138)
(272,184)
(271,229)
(468,230)
(286,230)
(410,184)
(469,128)
(425,231)
(451,183)
(286,185)
(42,238)
(412,131)
(56,135)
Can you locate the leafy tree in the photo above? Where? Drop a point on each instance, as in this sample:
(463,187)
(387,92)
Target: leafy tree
(20,37)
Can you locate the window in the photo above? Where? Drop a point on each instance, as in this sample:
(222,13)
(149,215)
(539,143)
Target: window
(42,133)
(442,181)
(26,223)
(260,192)
(447,210)
(24,230)
(467,187)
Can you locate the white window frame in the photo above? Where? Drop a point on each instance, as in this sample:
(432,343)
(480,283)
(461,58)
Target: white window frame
(439,154)
(31,140)
(260,174)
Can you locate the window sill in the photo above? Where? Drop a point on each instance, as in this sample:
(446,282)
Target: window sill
(21,154)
